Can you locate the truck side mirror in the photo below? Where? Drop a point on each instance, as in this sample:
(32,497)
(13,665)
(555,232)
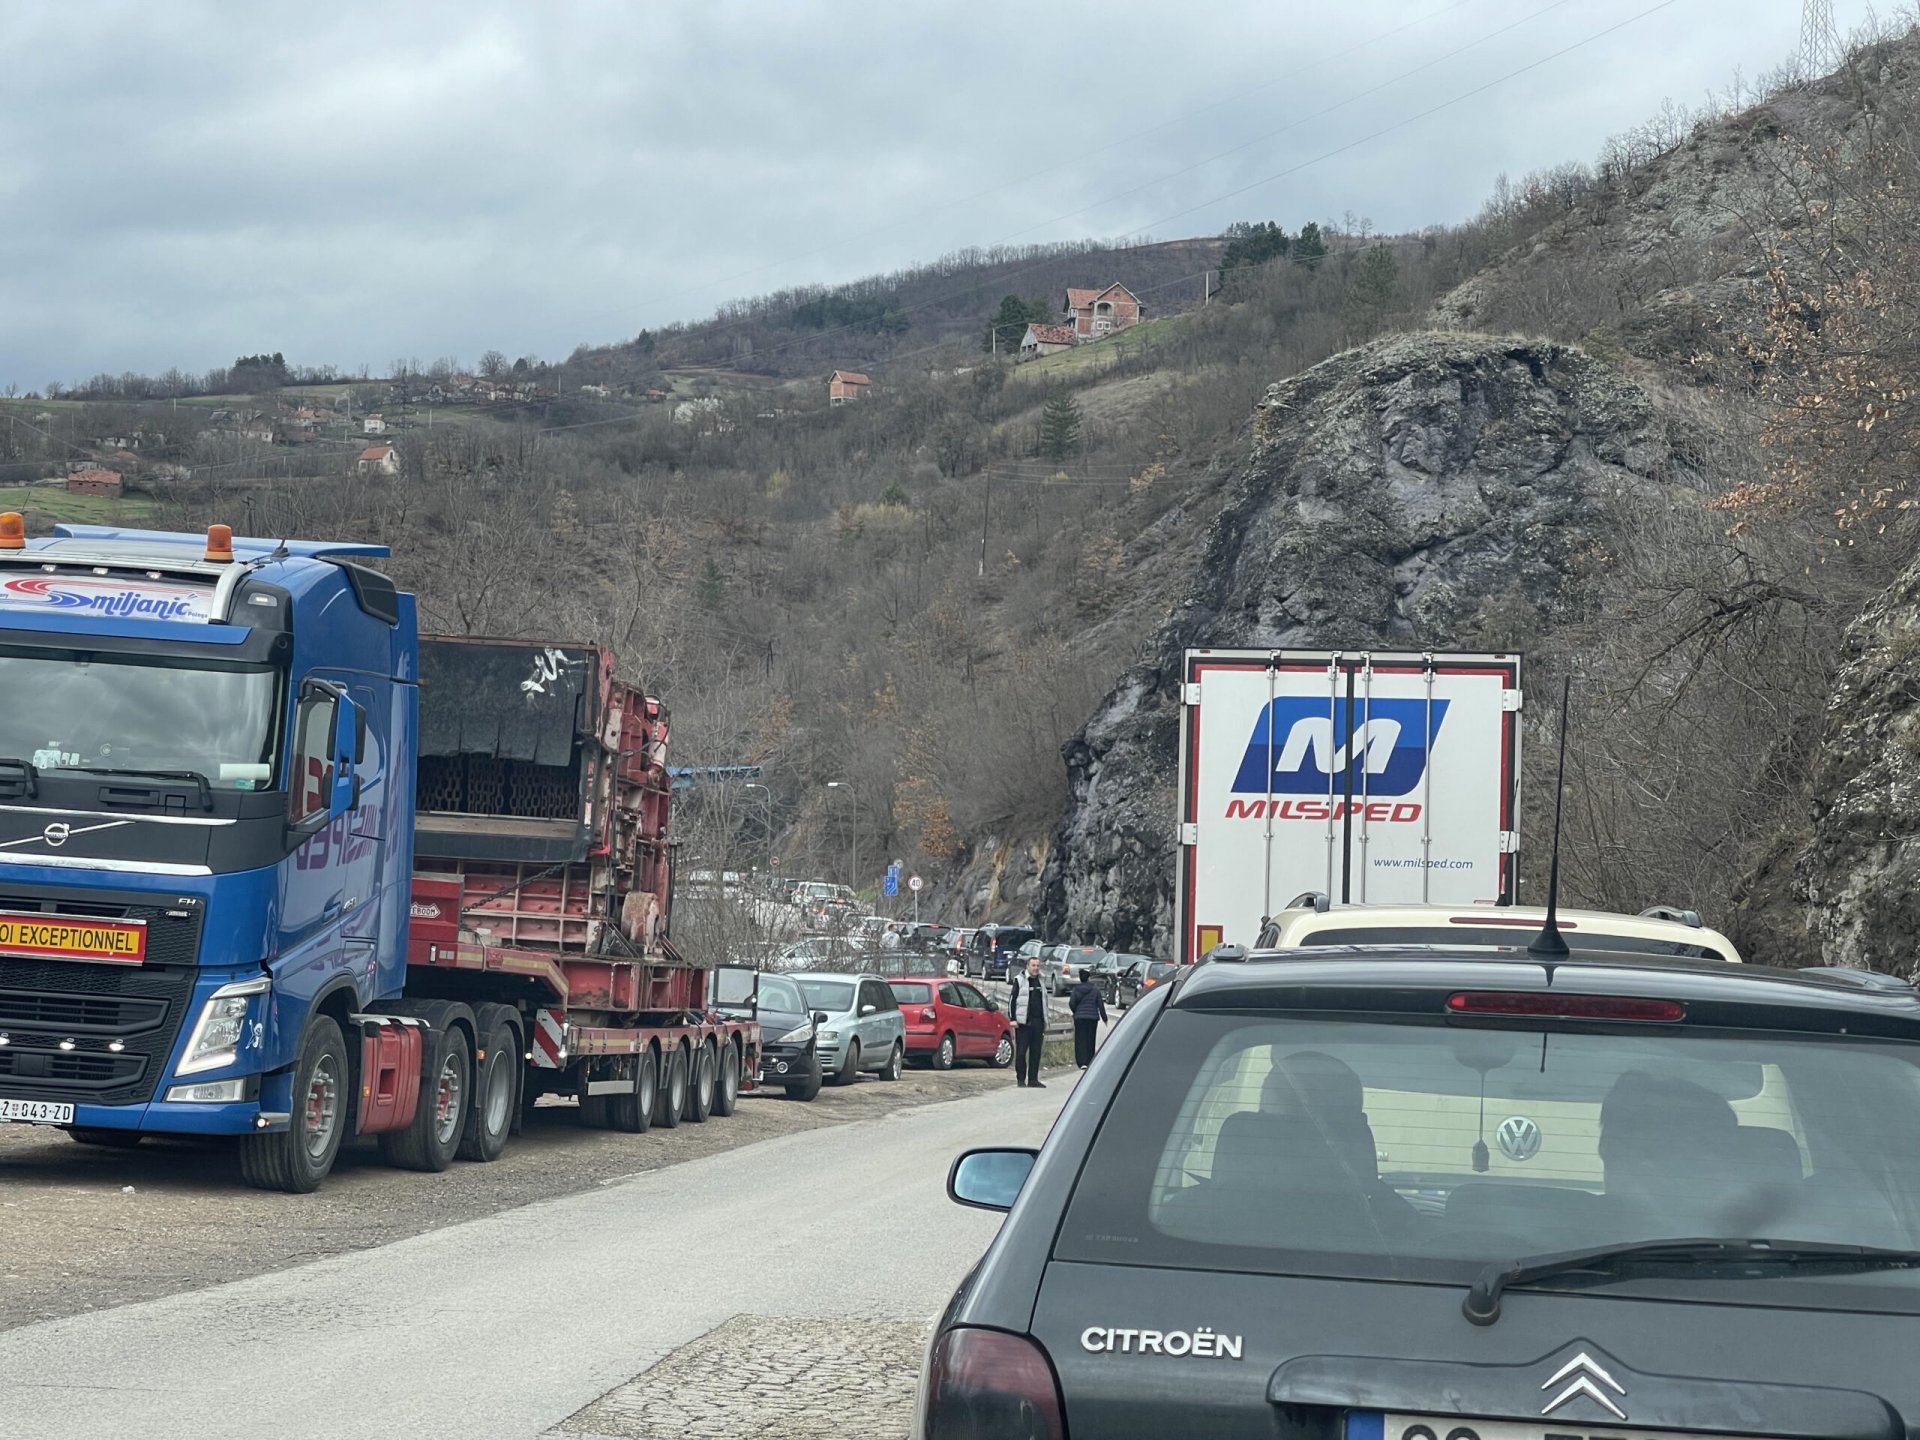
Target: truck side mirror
(348,730)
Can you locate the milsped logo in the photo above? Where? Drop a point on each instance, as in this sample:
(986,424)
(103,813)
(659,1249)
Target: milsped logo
(1311,744)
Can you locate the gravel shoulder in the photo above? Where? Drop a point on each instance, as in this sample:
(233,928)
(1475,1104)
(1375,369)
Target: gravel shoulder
(89,1228)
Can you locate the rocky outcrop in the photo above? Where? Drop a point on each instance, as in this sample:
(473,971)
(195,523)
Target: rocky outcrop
(1430,490)
(1854,893)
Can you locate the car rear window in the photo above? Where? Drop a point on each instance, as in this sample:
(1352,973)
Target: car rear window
(1319,1146)
(907,994)
(1505,935)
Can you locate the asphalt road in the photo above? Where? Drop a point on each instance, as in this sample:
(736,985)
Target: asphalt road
(778,1288)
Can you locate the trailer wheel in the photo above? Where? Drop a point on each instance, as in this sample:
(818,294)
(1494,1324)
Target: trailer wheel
(672,1102)
(430,1141)
(726,1093)
(700,1092)
(110,1139)
(632,1111)
(496,1094)
(298,1158)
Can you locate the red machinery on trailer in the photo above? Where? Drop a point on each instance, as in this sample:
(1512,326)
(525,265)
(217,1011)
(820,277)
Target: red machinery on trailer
(541,885)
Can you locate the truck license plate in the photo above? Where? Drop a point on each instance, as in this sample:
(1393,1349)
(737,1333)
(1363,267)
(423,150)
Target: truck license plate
(36,1112)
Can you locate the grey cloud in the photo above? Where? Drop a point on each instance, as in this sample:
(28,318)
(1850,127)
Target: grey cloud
(356,182)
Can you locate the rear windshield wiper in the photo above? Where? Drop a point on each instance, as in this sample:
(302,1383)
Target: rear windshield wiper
(192,777)
(1482,1305)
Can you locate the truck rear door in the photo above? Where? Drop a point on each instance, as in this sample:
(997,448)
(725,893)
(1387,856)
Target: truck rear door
(1370,778)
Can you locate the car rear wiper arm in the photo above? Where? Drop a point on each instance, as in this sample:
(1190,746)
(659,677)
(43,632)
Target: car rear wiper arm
(1482,1305)
(192,777)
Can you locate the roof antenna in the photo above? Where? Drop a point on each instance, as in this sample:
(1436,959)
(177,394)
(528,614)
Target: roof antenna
(1549,941)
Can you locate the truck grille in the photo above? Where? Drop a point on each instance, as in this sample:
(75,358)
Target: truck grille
(43,1002)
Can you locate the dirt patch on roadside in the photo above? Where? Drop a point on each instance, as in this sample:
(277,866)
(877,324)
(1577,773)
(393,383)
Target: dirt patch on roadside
(84,1228)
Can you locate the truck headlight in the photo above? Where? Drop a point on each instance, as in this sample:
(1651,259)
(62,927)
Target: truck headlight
(215,1041)
(795,1036)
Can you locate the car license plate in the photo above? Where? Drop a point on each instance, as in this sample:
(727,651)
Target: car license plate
(36,1112)
(1373,1425)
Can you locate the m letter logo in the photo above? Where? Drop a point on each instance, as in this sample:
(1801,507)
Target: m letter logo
(1303,745)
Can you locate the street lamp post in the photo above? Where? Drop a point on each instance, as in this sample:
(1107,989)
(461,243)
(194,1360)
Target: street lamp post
(855,801)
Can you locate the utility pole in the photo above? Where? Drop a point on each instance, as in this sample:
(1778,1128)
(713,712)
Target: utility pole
(1819,43)
(986,503)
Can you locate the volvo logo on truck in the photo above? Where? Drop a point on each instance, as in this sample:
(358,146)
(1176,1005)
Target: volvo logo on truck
(1311,742)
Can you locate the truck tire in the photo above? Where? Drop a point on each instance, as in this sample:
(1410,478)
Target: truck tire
(298,1158)
(110,1139)
(726,1092)
(700,1092)
(895,1063)
(672,1101)
(849,1070)
(808,1088)
(496,1088)
(632,1111)
(943,1057)
(446,1090)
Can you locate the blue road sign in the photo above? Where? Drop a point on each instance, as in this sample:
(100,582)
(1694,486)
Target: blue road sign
(891,885)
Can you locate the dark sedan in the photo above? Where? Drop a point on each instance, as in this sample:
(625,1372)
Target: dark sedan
(789,1048)
(1399,1193)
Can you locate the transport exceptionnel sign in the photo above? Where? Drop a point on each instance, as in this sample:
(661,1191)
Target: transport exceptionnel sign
(115,597)
(65,937)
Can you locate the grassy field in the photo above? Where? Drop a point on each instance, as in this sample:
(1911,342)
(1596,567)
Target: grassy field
(46,503)
(1084,361)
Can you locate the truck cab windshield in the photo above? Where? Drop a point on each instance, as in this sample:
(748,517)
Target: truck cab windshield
(72,711)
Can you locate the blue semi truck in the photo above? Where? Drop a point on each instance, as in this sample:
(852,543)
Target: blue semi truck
(275,867)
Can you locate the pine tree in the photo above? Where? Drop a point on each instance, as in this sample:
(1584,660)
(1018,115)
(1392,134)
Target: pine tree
(711,590)
(1309,248)
(1060,426)
(1373,285)
(1010,322)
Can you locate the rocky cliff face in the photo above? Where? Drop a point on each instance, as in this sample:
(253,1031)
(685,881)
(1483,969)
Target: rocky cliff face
(1429,490)
(1847,890)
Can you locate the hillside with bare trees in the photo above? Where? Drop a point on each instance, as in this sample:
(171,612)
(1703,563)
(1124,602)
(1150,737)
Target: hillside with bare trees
(1662,403)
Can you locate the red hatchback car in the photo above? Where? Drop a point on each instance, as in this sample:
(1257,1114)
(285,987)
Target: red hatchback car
(949,1020)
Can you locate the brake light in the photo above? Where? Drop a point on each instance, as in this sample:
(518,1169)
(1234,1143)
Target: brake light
(929,1014)
(986,1384)
(1528,1003)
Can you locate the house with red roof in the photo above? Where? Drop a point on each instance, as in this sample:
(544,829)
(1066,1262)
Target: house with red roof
(378,460)
(1046,340)
(846,386)
(1094,313)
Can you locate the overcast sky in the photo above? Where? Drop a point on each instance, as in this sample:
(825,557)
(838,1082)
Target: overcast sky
(352,182)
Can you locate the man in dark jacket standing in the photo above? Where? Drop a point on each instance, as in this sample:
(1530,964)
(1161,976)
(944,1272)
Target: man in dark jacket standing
(1027,1004)
(1089,1009)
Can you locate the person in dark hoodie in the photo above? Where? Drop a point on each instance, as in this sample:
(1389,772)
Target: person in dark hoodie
(1089,1009)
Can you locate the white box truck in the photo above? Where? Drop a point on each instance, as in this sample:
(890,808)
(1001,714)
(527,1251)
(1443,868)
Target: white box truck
(1371,778)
